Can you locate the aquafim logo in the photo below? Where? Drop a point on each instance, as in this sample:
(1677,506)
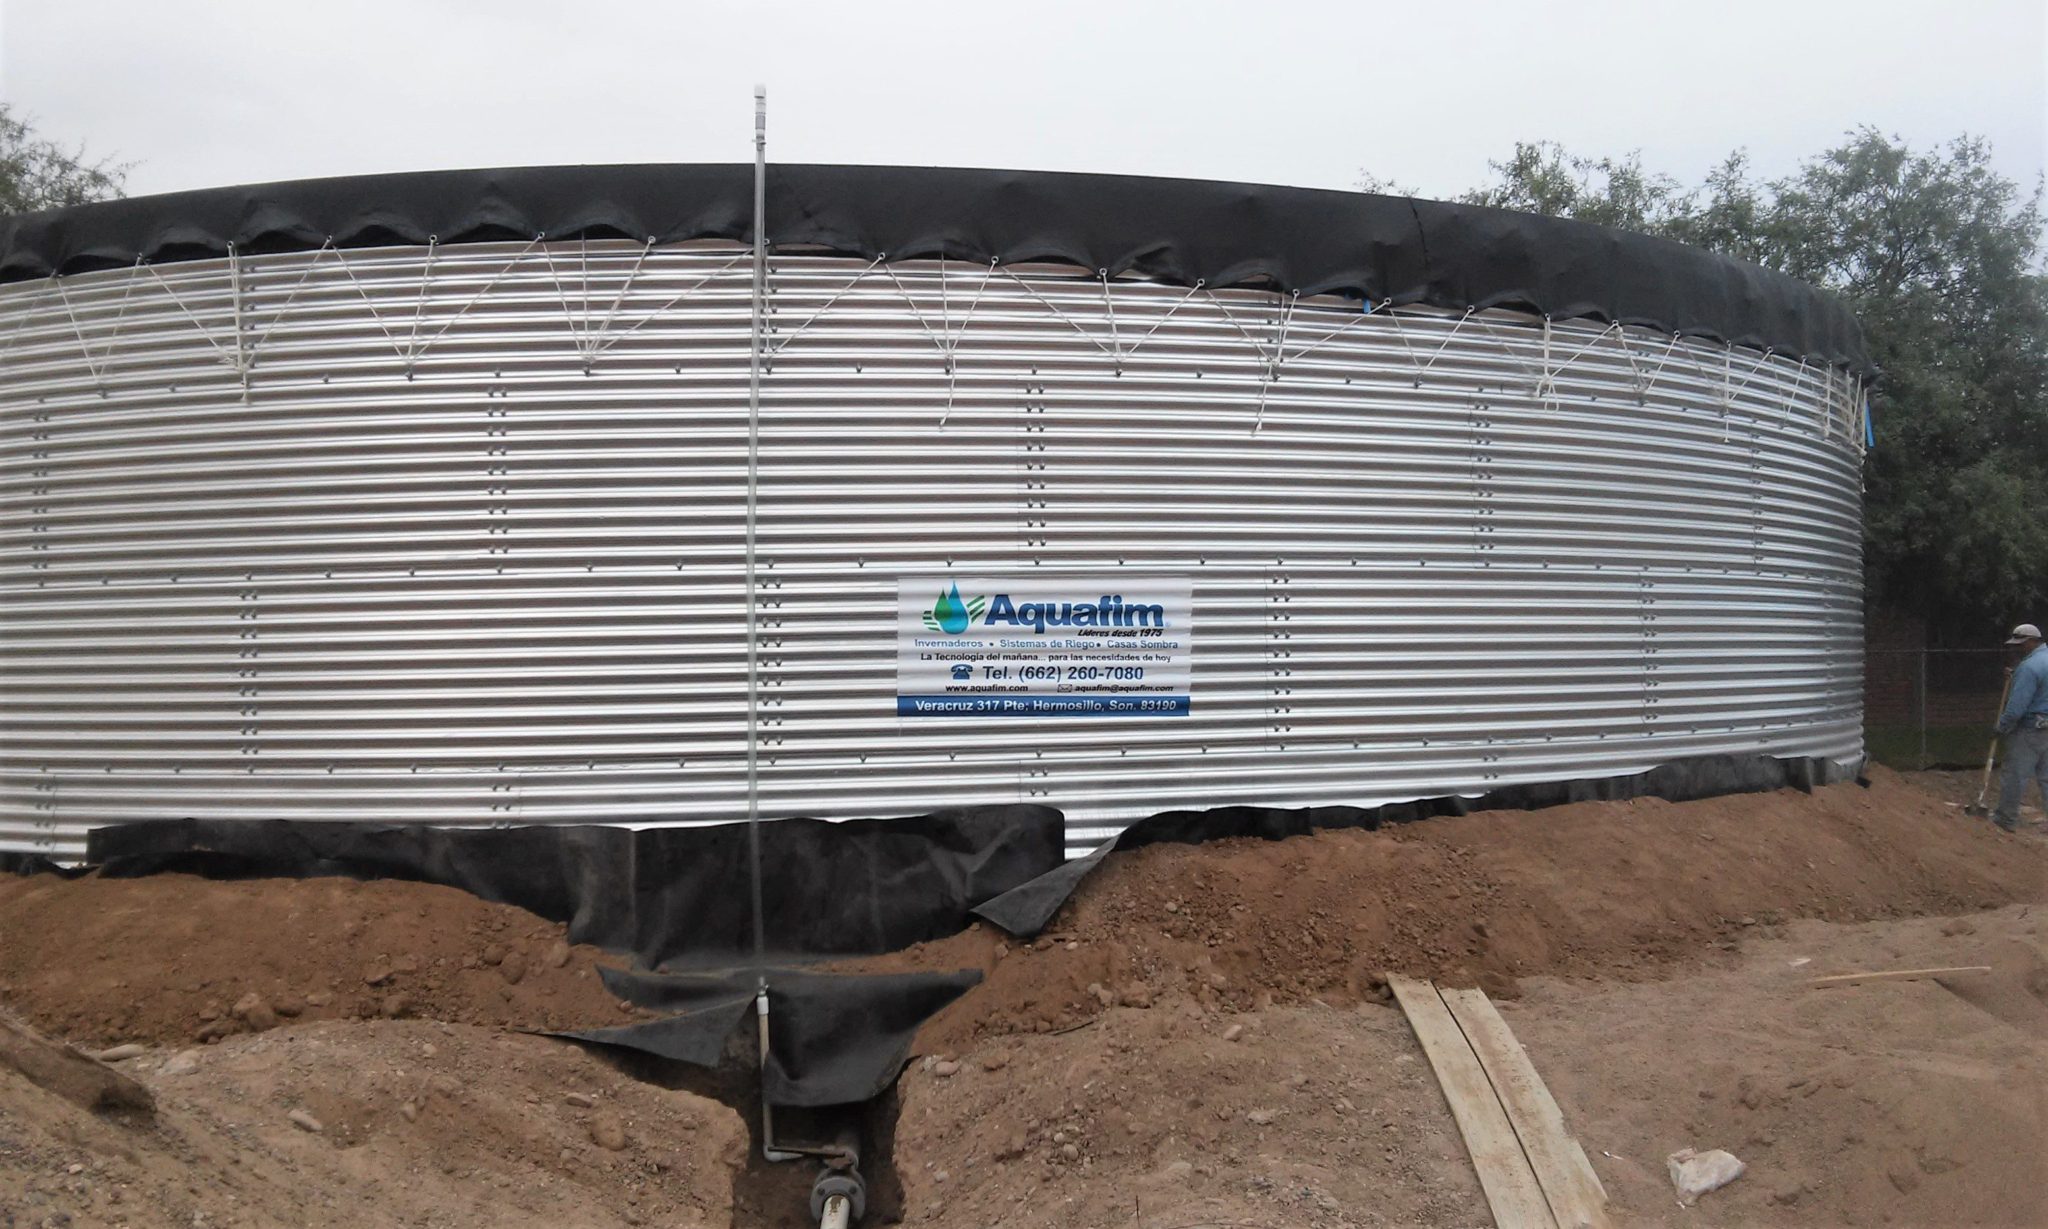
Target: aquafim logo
(951,615)
(1109,610)
(954,614)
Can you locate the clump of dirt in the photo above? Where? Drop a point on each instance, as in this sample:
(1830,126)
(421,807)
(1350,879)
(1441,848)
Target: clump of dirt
(178,959)
(1608,889)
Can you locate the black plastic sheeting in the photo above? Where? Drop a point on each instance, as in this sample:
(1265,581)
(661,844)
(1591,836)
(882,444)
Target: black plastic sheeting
(835,1038)
(1025,910)
(14,862)
(673,897)
(677,898)
(1179,231)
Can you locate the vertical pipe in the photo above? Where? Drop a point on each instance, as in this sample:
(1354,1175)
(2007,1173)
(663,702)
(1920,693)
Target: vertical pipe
(753,500)
(769,1152)
(760,333)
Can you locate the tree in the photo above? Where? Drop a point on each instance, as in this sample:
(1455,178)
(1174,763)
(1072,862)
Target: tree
(40,174)
(1369,182)
(1542,177)
(1940,257)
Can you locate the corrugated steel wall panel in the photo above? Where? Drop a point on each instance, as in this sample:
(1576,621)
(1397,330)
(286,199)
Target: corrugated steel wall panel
(456,536)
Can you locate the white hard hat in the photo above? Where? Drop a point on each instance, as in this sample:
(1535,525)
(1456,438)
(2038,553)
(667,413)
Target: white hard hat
(2023,633)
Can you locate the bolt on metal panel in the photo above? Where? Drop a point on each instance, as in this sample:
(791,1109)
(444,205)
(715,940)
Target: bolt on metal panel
(455,536)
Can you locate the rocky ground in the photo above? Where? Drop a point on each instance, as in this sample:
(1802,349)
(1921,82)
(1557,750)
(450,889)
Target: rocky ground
(1202,1039)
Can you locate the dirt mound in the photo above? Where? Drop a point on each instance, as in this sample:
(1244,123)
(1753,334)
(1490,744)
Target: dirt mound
(419,1124)
(1610,889)
(177,959)
(1595,889)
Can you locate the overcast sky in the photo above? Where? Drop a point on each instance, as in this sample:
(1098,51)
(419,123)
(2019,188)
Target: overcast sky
(1281,91)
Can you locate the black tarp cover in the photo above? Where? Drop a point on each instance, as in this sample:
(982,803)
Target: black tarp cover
(678,900)
(672,897)
(1179,231)
(837,1038)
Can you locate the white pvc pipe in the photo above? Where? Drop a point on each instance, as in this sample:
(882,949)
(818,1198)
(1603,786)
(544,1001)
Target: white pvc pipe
(838,1213)
(768,1150)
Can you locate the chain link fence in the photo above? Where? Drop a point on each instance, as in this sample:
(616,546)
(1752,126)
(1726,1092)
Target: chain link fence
(1931,708)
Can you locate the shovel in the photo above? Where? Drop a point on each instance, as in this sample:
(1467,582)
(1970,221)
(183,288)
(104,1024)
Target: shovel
(1978,808)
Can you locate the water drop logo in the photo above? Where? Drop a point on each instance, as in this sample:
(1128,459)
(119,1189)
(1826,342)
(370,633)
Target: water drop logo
(952,615)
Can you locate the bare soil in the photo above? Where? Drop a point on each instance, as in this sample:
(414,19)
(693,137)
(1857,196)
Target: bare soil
(421,1124)
(1654,957)
(1625,890)
(1919,1103)
(166,959)
(1960,788)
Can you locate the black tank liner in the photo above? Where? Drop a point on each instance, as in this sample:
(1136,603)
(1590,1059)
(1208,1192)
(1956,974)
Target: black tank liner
(1180,231)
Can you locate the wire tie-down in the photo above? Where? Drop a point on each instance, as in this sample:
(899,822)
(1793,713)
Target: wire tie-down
(230,359)
(685,293)
(419,308)
(618,301)
(99,370)
(1272,375)
(1055,310)
(478,297)
(952,347)
(827,306)
(1414,359)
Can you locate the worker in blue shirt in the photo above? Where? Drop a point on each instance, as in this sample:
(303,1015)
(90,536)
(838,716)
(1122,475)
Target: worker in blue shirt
(2025,726)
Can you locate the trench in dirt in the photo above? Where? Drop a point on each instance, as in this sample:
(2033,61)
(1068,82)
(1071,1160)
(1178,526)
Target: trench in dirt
(1620,891)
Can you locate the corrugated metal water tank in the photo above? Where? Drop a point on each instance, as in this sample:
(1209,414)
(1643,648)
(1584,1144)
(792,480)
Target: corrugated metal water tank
(454,534)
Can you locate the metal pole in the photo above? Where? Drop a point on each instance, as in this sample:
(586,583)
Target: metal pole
(753,497)
(760,337)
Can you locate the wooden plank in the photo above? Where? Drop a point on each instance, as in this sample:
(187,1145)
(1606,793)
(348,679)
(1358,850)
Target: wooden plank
(1504,1174)
(1857,979)
(67,1072)
(1569,1183)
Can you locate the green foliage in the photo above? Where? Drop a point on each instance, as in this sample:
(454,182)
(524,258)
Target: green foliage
(39,174)
(1541,177)
(1940,256)
(1369,182)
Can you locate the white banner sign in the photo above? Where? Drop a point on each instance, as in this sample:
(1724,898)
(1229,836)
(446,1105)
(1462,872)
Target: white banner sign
(1044,646)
